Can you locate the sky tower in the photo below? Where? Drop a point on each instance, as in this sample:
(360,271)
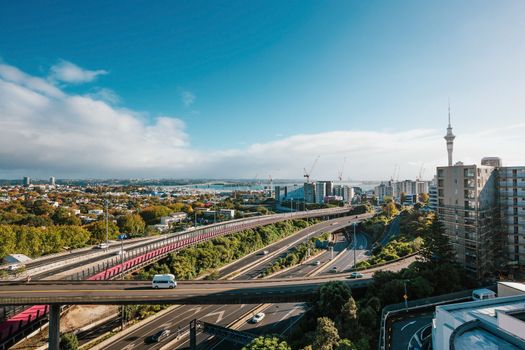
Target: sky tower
(449,137)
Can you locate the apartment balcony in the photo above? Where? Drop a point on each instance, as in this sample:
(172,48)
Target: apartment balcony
(518,192)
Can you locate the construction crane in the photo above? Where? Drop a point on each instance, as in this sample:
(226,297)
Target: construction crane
(421,172)
(340,172)
(394,173)
(271,184)
(308,173)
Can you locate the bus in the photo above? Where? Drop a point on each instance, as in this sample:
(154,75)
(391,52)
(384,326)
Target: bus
(163,281)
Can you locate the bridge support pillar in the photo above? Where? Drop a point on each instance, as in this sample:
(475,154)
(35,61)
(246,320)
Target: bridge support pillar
(193,334)
(54,327)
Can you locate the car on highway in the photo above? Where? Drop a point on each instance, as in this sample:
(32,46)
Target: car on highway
(163,281)
(356,275)
(160,336)
(334,223)
(265,252)
(334,269)
(258,317)
(317,263)
(14,267)
(119,252)
(102,246)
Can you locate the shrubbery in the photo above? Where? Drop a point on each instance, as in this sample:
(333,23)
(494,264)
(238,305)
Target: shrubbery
(212,254)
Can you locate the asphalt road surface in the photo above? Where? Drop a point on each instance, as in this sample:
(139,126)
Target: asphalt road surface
(403,330)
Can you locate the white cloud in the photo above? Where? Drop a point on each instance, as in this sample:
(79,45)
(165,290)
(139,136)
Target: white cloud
(104,94)
(70,73)
(45,131)
(188,98)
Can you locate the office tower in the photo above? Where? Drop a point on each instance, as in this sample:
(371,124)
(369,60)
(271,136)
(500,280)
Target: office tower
(309,192)
(320,192)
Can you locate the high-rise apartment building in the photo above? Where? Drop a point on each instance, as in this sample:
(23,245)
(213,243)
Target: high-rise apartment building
(26,181)
(52,181)
(482,208)
(467,207)
(511,190)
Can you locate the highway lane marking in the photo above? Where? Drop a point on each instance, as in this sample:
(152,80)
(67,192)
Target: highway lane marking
(152,291)
(288,313)
(219,313)
(408,324)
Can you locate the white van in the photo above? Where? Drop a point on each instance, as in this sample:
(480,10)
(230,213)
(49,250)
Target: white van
(164,281)
(483,294)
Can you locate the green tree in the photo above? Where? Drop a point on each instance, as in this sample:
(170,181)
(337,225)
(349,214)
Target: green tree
(28,240)
(98,231)
(68,341)
(326,335)
(437,247)
(348,317)
(331,298)
(152,214)
(131,223)
(64,216)
(424,197)
(41,207)
(36,221)
(346,344)
(267,343)
(7,240)
(73,236)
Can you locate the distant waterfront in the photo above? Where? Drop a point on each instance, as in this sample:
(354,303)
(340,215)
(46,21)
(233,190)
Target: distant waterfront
(225,186)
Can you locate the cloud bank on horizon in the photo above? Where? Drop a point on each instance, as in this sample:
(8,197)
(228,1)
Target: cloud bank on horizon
(46,131)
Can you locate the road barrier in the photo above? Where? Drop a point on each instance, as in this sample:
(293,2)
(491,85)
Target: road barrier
(20,324)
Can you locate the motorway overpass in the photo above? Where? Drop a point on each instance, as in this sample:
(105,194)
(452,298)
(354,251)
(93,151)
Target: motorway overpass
(187,292)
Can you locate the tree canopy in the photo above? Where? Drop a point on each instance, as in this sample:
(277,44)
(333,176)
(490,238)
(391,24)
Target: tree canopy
(267,343)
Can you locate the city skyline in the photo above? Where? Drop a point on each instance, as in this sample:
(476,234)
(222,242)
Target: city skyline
(78,103)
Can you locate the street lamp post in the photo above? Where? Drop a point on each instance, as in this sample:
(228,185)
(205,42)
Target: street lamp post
(122,310)
(405,296)
(355,244)
(106,202)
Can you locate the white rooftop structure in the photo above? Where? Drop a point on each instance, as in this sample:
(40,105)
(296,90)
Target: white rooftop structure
(497,323)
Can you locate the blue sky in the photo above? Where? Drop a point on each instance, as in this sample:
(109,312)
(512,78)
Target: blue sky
(237,77)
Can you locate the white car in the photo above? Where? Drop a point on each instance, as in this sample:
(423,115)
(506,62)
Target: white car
(258,317)
(356,275)
(14,267)
(102,246)
(317,263)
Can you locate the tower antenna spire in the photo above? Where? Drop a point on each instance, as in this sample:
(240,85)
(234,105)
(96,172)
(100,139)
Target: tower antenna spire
(449,137)
(449,112)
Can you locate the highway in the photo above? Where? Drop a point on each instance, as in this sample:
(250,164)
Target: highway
(346,260)
(149,253)
(222,314)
